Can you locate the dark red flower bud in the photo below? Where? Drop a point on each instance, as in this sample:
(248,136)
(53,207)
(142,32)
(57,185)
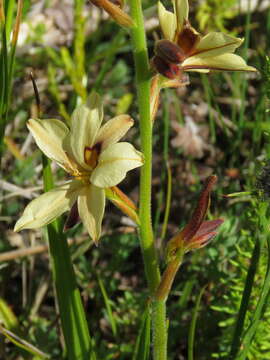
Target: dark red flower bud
(169,51)
(165,68)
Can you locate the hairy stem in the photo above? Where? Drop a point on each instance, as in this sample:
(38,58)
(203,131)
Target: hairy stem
(146,232)
(143,89)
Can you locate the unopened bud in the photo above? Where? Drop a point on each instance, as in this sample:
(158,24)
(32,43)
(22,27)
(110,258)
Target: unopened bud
(165,68)
(123,202)
(169,51)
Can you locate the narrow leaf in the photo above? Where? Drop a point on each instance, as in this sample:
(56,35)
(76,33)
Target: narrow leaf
(143,342)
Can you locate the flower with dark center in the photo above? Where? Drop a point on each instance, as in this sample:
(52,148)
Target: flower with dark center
(92,155)
(184,49)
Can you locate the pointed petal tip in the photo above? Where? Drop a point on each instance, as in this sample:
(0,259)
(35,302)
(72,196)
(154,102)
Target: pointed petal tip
(17,228)
(22,223)
(221,221)
(251,69)
(130,120)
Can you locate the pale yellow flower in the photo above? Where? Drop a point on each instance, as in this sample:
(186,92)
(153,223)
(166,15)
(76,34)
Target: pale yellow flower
(91,154)
(184,49)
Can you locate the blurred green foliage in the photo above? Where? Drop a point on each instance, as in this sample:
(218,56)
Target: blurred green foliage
(213,15)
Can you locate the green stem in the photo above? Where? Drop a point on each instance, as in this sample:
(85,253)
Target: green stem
(146,232)
(159,330)
(73,320)
(143,89)
(168,276)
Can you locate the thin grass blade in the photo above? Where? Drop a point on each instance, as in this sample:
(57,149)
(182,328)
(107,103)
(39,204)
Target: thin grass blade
(108,307)
(143,342)
(22,344)
(192,328)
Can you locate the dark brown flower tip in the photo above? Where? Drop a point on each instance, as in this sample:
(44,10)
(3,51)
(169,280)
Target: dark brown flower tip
(197,231)
(169,51)
(165,68)
(73,218)
(200,211)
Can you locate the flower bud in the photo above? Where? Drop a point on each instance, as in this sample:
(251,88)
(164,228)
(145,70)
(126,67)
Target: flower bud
(169,51)
(123,202)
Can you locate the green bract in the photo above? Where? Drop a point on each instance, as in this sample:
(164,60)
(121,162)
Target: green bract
(91,154)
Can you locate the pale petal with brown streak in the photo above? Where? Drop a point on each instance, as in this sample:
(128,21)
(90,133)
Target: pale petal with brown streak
(217,43)
(227,62)
(49,136)
(113,130)
(48,206)
(114,163)
(91,205)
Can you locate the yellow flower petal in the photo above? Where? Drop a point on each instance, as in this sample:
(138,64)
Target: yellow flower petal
(167,21)
(216,43)
(227,62)
(114,130)
(49,135)
(113,164)
(48,206)
(91,205)
(181,9)
(85,123)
